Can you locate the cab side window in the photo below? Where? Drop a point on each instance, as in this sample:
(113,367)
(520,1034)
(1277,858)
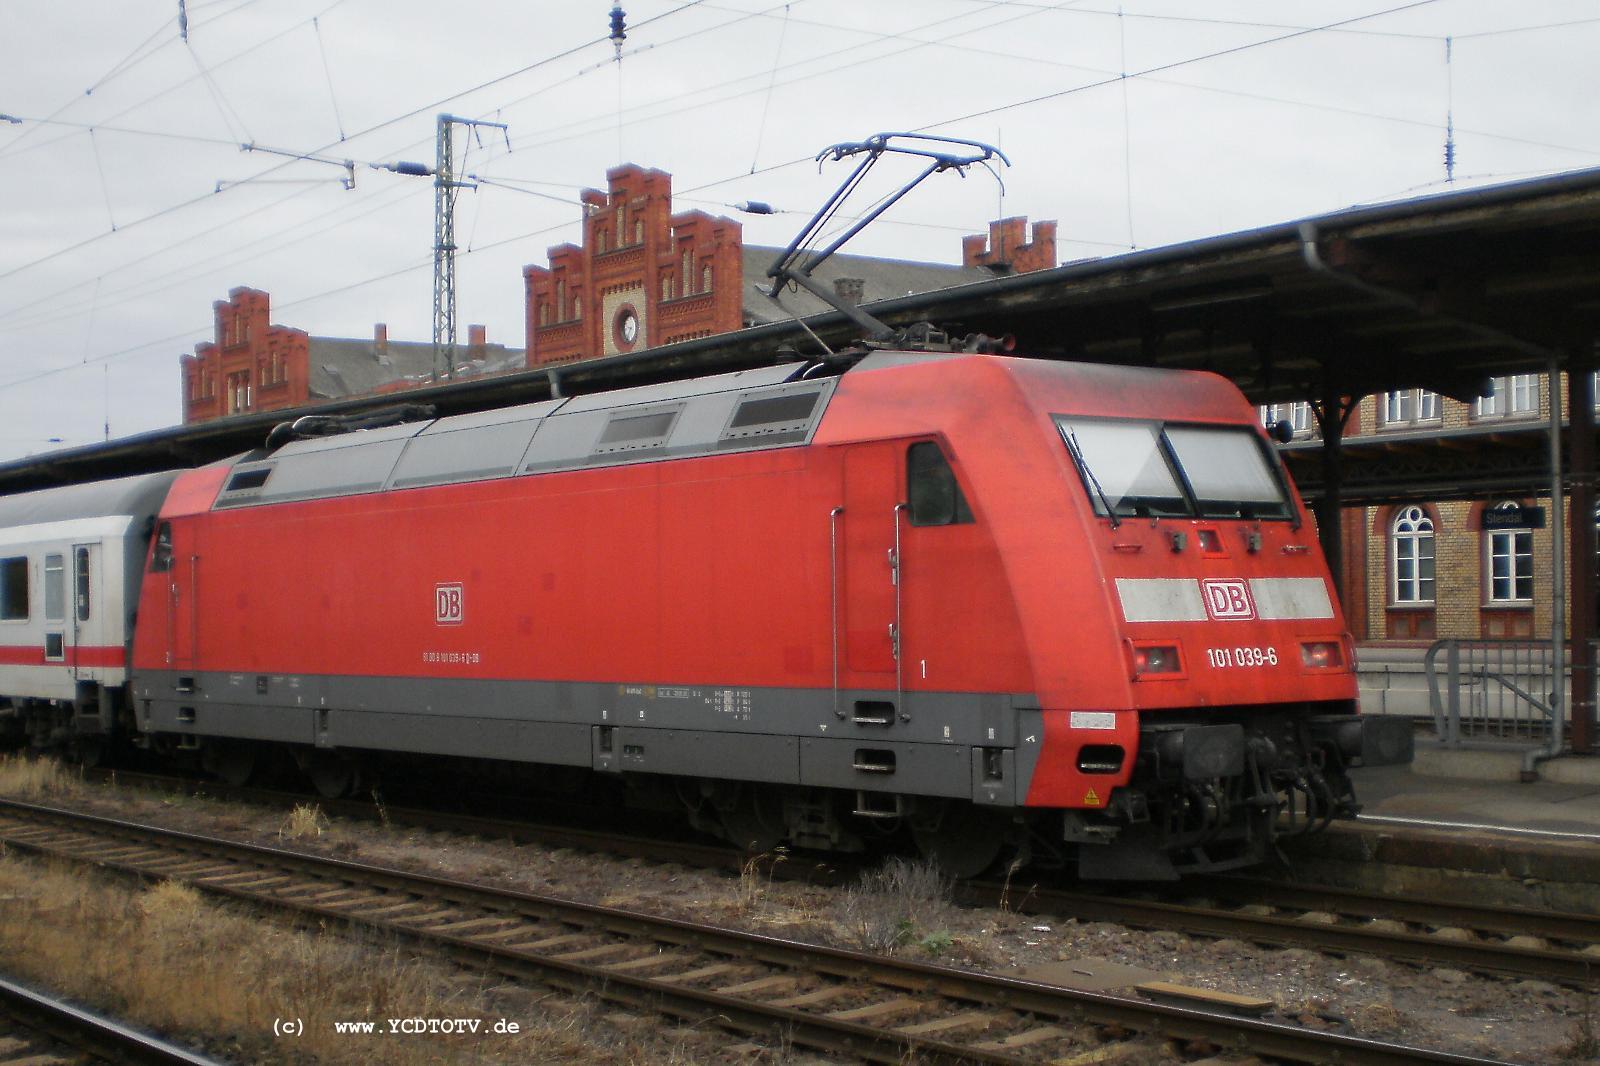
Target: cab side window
(933,497)
(161,558)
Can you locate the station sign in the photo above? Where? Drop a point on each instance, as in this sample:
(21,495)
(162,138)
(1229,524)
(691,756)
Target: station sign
(1516,516)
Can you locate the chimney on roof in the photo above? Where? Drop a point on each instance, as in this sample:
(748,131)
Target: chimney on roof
(380,339)
(849,290)
(1007,248)
(477,341)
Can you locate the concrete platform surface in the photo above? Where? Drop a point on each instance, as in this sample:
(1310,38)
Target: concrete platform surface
(1482,795)
(1483,763)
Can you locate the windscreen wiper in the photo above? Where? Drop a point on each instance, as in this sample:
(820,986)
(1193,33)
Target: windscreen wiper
(1071,437)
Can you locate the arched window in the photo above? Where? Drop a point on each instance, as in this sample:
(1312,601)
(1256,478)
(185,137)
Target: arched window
(688,278)
(577,305)
(705,278)
(1411,548)
(638,231)
(1508,562)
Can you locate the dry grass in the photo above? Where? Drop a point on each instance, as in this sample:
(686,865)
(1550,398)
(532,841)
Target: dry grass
(306,820)
(22,777)
(901,902)
(169,958)
(755,880)
(1378,1018)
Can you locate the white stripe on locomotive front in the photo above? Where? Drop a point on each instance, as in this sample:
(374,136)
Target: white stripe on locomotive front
(1178,599)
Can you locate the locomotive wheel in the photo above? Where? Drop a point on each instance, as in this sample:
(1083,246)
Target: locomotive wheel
(754,823)
(234,764)
(333,776)
(967,842)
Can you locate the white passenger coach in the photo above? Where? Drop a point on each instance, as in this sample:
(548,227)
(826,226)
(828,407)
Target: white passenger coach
(71,559)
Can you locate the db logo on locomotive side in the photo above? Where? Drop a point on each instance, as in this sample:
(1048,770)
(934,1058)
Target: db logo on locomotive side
(1227,598)
(447,610)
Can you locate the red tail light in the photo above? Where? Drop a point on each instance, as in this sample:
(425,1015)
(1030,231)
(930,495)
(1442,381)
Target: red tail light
(1321,655)
(1156,660)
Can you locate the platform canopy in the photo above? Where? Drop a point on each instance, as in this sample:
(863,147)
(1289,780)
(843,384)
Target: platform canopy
(1439,292)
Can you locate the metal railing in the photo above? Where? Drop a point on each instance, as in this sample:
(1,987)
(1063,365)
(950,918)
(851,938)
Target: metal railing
(1495,691)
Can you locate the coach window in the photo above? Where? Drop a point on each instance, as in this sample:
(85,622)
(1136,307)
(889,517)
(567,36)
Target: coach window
(14,589)
(80,572)
(161,558)
(55,588)
(932,493)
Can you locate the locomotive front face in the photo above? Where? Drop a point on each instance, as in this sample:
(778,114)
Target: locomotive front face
(1225,716)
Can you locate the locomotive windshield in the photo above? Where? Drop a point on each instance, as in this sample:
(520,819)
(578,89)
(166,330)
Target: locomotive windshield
(1151,470)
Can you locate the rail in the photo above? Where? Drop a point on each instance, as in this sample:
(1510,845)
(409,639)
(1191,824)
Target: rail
(739,981)
(1570,953)
(99,1038)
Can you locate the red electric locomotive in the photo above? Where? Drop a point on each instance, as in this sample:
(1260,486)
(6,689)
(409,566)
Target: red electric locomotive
(1069,612)
(1067,608)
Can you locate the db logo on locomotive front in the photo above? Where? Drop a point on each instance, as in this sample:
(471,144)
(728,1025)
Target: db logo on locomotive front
(1227,598)
(447,600)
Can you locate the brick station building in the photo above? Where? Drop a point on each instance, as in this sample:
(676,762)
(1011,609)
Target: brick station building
(253,365)
(643,276)
(1464,569)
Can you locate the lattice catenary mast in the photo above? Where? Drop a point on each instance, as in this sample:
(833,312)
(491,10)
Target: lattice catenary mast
(445,188)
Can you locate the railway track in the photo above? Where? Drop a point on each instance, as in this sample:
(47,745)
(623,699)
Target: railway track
(1562,948)
(864,1006)
(1504,941)
(40,1030)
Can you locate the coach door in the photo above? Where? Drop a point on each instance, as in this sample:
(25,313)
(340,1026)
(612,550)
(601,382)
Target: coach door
(85,576)
(867,624)
(55,608)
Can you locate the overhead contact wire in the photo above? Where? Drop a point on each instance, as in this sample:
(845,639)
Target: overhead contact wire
(1175,64)
(327,71)
(361,133)
(105,189)
(772,81)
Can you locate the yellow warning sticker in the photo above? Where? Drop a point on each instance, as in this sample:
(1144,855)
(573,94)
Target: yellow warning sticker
(1090,799)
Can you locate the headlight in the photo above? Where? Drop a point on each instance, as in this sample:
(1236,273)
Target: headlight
(1161,659)
(1321,655)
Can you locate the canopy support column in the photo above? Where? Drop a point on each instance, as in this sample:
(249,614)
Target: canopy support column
(1581,539)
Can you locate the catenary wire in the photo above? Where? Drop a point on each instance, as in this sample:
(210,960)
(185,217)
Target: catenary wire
(1005,107)
(173,208)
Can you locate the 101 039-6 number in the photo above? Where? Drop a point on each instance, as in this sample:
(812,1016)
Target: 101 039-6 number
(1221,658)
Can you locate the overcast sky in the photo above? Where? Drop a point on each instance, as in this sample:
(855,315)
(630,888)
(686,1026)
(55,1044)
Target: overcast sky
(127,205)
